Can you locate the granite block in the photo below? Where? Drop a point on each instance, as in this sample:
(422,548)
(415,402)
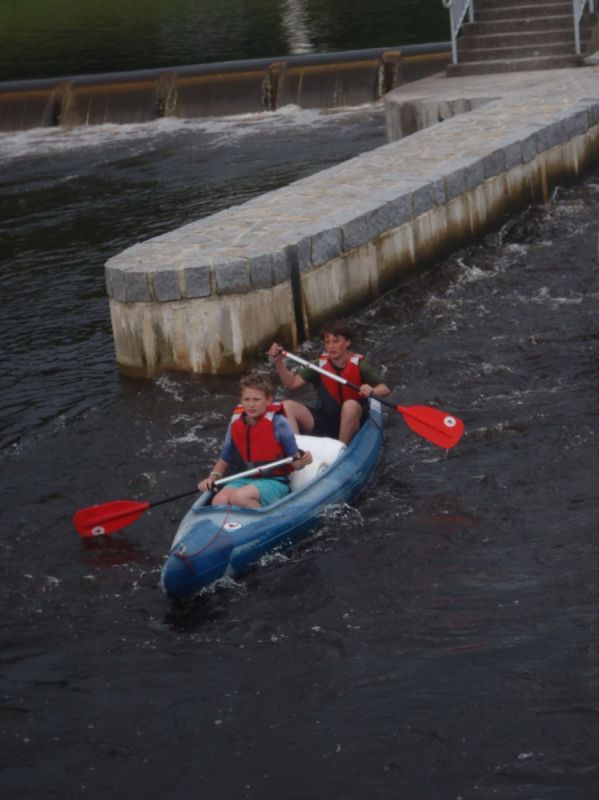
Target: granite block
(551,135)
(232,277)
(529,147)
(261,271)
(138,290)
(197,281)
(513,155)
(166,285)
(326,245)
(578,122)
(354,233)
(280,267)
(423,199)
(118,286)
(304,253)
(591,105)
(494,163)
(384,214)
(474,174)
(455,183)
(398,211)
(439,192)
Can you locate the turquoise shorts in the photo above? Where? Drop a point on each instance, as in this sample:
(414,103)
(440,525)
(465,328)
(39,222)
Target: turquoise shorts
(271,489)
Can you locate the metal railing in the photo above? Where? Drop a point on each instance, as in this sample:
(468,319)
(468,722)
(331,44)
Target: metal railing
(457,11)
(578,7)
(459,8)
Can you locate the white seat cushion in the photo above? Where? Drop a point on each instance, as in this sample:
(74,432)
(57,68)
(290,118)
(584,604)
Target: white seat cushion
(324,451)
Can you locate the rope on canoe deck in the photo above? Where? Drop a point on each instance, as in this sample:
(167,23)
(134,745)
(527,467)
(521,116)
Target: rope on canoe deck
(186,558)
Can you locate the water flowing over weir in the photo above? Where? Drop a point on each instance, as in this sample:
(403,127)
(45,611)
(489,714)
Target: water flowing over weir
(325,80)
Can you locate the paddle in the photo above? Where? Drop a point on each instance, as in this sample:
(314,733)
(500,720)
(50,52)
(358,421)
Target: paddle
(110,517)
(437,426)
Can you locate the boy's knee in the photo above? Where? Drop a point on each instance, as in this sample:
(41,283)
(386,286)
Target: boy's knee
(351,408)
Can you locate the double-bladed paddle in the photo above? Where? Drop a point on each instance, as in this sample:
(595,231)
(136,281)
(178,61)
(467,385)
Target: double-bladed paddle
(438,427)
(110,517)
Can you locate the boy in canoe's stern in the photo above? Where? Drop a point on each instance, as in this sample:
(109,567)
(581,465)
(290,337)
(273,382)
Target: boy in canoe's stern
(339,411)
(258,433)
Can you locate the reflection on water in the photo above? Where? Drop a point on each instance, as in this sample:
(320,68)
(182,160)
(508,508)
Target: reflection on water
(75,37)
(297,27)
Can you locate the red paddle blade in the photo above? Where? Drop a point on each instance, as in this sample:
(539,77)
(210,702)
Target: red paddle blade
(437,426)
(108,517)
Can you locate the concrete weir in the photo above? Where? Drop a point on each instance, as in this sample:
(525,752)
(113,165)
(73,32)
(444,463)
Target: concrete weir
(311,80)
(206,296)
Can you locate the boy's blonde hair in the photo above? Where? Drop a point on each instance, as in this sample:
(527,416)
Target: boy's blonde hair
(256,380)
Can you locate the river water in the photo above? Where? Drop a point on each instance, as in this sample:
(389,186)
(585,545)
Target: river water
(71,37)
(436,640)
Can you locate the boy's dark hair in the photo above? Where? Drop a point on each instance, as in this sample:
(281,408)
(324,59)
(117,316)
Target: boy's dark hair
(256,380)
(337,327)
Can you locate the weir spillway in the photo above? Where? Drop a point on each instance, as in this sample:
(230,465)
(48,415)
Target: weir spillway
(324,80)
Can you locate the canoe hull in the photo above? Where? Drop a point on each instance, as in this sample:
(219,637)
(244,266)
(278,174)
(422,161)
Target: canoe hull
(214,542)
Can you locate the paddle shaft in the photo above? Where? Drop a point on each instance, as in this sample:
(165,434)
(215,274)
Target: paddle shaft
(337,378)
(248,473)
(438,427)
(95,520)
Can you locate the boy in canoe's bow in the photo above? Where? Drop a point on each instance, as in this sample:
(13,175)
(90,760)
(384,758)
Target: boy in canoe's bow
(340,410)
(258,433)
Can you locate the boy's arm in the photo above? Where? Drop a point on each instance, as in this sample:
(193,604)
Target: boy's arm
(371,383)
(290,380)
(219,470)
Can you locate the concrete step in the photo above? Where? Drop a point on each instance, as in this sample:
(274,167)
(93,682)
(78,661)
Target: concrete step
(486,4)
(524,11)
(534,25)
(520,39)
(514,65)
(511,53)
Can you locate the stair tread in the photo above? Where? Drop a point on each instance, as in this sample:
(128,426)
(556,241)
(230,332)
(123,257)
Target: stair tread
(508,35)
(523,63)
(524,36)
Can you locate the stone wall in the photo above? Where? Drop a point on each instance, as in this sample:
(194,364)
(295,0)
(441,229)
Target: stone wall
(205,297)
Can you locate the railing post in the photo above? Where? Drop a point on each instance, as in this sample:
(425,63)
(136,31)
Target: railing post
(457,13)
(578,7)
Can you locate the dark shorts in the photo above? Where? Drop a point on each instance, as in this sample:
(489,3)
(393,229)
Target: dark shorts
(327,425)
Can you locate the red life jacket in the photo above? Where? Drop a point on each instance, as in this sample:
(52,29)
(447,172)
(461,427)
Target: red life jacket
(257,444)
(340,392)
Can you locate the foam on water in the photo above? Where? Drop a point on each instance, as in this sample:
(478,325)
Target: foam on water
(143,136)
(171,387)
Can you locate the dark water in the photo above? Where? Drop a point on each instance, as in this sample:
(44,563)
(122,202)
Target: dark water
(436,641)
(71,199)
(39,39)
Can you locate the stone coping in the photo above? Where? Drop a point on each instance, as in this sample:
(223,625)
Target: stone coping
(314,220)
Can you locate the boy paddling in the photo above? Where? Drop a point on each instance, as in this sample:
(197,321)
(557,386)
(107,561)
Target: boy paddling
(258,433)
(340,410)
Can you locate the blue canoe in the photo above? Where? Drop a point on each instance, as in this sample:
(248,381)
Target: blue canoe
(214,542)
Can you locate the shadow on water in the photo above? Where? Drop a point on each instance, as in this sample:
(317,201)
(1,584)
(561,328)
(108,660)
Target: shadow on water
(104,552)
